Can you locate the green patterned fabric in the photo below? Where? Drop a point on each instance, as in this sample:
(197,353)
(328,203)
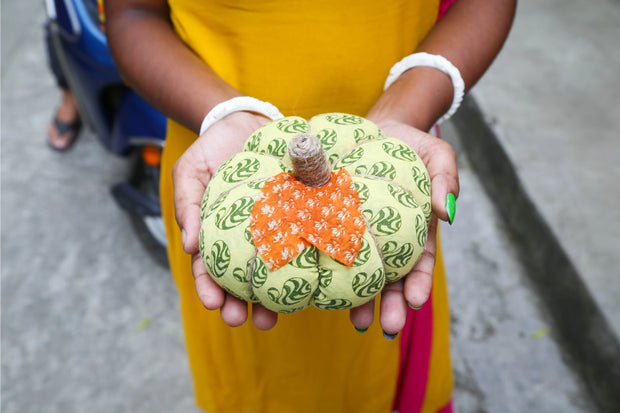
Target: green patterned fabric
(394,190)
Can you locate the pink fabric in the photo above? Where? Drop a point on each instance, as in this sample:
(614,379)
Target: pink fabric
(447,408)
(415,354)
(416,339)
(444,5)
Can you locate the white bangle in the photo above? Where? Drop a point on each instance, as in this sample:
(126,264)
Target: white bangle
(239,104)
(438,62)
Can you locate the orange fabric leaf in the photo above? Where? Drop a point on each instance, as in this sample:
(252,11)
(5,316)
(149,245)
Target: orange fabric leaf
(288,216)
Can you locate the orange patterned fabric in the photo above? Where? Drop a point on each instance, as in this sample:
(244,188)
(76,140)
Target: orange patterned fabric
(288,216)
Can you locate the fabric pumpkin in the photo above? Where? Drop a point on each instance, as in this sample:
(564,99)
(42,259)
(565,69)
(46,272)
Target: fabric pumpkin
(267,237)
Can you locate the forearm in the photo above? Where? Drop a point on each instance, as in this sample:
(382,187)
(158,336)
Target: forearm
(158,65)
(470,36)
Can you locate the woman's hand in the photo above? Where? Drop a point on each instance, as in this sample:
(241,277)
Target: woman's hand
(415,288)
(194,169)
(191,175)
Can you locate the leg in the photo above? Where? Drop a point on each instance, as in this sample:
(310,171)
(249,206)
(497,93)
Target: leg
(66,124)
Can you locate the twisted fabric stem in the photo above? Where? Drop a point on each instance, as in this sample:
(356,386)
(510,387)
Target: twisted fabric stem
(309,161)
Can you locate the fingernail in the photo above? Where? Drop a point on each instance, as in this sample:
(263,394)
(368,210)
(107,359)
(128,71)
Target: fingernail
(450,207)
(389,336)
(414,308)
(361,330)
(183,238)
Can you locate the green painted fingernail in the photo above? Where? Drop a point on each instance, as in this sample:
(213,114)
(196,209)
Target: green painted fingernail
(414,308)
(361,330)
(450,207)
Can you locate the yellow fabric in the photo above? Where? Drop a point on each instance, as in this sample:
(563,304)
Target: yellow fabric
(305,57)
(440,382)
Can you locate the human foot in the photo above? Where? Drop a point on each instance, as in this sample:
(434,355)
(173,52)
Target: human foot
(66,125)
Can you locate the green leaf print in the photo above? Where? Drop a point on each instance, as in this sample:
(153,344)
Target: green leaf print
(333,158)
(241,170)
(219,259)
(386,221)
(294,290)
(399,151)
(202,239)
(277,147)
(392,276)
(364,255)
(344,119)
(242,275)
(285,168)
(362,191)
(236,214)
(421,230)
(259,273)
(206,212)
(361,134)
(380,169)
(350,158)
(257,184)
(427,209)
(306,259)
(421,180)
(292,125)
(247,235)
(328,138)
(397,255)
(335,304)
(253,142)
(402,196)
(204,204)
(292,310)
(253,299)
(365,285)
(325,277)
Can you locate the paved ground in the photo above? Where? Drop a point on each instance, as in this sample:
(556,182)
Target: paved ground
(90,322)
(546,149)
(552,99)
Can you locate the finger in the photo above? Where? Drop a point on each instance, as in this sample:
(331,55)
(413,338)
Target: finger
(234,312)
(440,160)
(419,282)
(393,309)
(362,317)
(210,294)
(263,318)
(188,193)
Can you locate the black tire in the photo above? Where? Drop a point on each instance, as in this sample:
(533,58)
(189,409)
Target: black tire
(149,228)
(152,245)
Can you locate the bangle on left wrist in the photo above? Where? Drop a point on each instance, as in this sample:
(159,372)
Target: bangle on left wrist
(437,62)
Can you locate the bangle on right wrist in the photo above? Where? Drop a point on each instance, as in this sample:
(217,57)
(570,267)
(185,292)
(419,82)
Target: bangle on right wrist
(238,104)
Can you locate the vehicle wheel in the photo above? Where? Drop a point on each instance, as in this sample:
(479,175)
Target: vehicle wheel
(149,227)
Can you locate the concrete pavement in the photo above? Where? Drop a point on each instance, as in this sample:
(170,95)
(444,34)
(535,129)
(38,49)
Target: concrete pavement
(90,322)
(542,136)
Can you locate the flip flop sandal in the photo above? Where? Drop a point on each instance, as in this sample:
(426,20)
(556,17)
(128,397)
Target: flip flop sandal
(64,128)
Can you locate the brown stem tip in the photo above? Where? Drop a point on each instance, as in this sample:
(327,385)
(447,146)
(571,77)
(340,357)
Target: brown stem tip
(309,161)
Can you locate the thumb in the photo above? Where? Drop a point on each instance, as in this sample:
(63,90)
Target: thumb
(188,193)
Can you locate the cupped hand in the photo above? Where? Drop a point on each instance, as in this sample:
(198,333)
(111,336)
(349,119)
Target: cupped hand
(191,175)
(415,288)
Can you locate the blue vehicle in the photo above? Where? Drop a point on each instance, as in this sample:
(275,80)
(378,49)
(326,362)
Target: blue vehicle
(122,121)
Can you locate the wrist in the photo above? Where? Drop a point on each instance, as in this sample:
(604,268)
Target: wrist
(249,119)
(422,89)
(419,97)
